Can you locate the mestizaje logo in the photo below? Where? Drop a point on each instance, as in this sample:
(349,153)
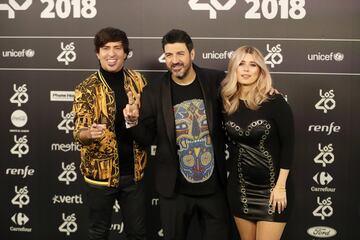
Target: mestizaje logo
(327,101)
(326,155)
(21,147)
(24,172)
(324,209)
(20,96)
(212,6)
(67,124)
(69,225)
(119,227)
(21,198)
(14,5)
(274,56)
(68,54)
(18,53)
(68,174)
(19,118)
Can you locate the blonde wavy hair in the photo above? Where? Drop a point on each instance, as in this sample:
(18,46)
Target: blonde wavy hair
(231,88)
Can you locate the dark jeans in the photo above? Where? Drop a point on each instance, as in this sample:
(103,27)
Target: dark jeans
(131,198)
(212,212)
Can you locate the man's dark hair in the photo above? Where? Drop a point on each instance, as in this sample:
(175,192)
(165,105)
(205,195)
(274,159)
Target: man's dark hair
(177,36)
(111,34)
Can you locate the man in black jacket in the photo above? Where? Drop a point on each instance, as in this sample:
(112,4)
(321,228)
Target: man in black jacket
(183,113)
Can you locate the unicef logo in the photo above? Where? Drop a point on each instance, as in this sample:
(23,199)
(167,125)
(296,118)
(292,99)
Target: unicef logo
(29,53)
(212,7)
(338,56)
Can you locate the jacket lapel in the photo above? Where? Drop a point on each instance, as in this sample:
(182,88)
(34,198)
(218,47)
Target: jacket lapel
(207,97)
(167,110)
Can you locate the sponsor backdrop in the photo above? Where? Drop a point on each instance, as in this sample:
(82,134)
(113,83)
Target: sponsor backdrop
(312,48)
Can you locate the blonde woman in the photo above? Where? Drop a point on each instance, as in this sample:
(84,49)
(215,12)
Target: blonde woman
(260,130)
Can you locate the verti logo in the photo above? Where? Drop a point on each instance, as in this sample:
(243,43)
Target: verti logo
(68,54)
(326,155)
(67,124)
(21,147)
(327,101)
(20,96)
(14,5)
(212,7)
(69,225)
(68,174)
(324,209)
(21,198)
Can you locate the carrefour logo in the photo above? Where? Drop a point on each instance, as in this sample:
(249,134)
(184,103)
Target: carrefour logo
(14,5)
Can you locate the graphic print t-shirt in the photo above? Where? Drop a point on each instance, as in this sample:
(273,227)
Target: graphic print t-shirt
(195,149)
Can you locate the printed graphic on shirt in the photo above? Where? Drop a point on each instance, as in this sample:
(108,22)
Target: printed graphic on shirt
(195,152)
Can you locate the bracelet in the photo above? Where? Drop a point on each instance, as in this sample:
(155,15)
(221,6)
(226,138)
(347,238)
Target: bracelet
(129,124)
(281,189)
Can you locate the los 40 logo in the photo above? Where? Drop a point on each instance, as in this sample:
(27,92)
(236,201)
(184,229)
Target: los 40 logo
(54,8)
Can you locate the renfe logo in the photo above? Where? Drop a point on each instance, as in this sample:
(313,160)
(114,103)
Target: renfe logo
(329,129)
(321,232)
(212,6)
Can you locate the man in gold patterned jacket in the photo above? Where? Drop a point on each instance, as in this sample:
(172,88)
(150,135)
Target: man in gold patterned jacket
(112,163)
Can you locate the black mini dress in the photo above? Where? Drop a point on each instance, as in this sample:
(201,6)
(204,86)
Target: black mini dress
(260,143)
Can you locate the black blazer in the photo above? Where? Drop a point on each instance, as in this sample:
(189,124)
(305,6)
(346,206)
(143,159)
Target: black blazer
(157,122)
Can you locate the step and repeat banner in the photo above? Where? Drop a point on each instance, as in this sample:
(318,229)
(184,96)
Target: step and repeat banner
(312,48)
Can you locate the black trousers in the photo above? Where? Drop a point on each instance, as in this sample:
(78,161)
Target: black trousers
(131,198)
(211,210)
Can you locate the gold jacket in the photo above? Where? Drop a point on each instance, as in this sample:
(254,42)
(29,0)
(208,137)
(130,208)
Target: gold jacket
(94,102)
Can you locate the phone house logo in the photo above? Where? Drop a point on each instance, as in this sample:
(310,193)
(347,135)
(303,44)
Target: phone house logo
(13,6)
(213,6)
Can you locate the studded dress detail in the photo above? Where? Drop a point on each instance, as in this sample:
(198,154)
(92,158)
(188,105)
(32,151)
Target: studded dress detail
(260,143)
